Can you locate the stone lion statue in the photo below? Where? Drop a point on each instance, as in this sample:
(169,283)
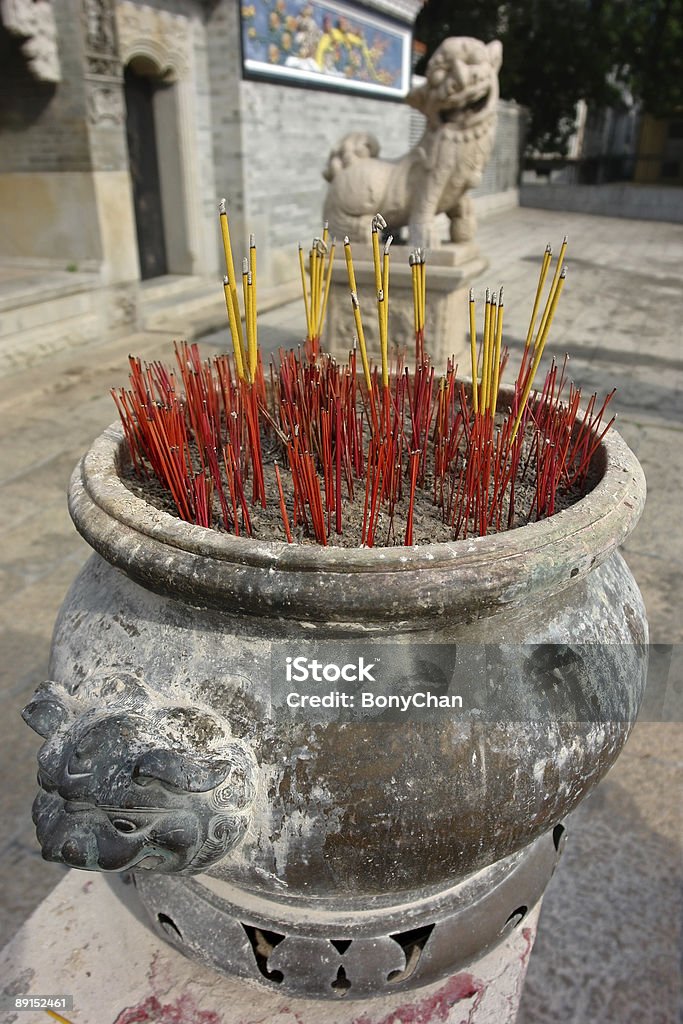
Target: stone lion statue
(459,100)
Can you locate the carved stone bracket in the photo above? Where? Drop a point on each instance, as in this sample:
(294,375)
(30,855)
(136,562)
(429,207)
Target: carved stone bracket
(34,22)
(130,780)
(160,36)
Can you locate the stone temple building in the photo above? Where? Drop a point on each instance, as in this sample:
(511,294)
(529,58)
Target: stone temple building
(122,122)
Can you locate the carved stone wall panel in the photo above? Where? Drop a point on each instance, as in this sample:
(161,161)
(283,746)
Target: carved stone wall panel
(100,38)
(103,69)
(33,21)
(106,104)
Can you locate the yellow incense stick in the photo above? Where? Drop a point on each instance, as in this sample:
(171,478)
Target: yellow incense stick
(302,268)
(412,262)
(317,284)
(245,275)
(383,343)
(473,351)
(361,341)
(553,287)
(236,345)
(246,295)
(253,342)
(328,279)
(319,268)
(483,395)
(547,257)
(349,265)
(253,337)
(311,286)
(378,224)
(538,351)
(493,398)
(419,277)
(321,255)
(356,314)
(492,344)
(378,269)
(230,268)
(385,283)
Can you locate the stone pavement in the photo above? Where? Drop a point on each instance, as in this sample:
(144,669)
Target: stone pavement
(609,946)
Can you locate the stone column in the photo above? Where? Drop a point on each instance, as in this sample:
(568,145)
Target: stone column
(106,113)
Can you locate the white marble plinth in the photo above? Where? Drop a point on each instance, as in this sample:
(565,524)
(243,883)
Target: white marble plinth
(89,940)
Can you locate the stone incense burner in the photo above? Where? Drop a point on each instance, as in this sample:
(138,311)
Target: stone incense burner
(319,853)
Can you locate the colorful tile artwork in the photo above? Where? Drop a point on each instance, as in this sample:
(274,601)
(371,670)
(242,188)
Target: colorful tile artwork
(325,43)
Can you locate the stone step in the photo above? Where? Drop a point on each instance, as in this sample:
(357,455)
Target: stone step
(157,289)
(28,287)
(63,313)
(23,348)
(43,312)
(68,372)
(181,313)
(199,306)
(60,317)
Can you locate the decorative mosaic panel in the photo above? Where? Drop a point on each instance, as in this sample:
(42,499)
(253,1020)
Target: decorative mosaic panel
(326,44)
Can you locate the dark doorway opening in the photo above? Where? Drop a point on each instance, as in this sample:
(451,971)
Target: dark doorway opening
(144,169)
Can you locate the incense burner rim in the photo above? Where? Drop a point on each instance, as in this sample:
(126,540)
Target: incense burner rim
(165,553)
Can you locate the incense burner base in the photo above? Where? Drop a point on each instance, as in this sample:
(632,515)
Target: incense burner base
(300,949)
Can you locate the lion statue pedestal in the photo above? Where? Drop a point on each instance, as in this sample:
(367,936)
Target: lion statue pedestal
(459,99)
(450,271)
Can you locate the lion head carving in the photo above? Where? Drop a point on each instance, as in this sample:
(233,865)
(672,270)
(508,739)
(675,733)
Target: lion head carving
(130,781)
(461,82)
(459,100)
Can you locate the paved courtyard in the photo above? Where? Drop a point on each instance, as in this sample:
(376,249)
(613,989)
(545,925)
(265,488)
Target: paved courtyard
(610,940)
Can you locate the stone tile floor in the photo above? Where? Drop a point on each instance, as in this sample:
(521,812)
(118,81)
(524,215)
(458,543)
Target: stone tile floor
(609,946)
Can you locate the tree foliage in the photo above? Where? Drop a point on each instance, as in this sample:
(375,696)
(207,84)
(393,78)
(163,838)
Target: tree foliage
(556,52)
(651,53)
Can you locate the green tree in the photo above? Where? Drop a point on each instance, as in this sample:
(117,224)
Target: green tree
(556,52)
(652,54)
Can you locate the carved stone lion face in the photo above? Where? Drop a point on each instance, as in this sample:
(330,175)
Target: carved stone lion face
(130,781)
(462,79)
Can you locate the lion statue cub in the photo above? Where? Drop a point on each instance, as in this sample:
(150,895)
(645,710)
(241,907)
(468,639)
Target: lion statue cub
(459,100)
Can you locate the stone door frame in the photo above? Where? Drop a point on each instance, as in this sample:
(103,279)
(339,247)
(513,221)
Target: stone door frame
(148,39)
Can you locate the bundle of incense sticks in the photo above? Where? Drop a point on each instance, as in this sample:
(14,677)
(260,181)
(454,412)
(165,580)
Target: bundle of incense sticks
(332,429)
